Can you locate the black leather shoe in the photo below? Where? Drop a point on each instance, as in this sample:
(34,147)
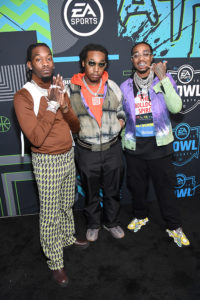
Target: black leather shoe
(60,277)
(81,244)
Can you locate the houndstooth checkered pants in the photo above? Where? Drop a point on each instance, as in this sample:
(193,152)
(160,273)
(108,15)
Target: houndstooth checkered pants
(55,177)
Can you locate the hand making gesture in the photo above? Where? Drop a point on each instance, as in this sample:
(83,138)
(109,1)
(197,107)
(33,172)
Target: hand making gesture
(159,69)
(56,92)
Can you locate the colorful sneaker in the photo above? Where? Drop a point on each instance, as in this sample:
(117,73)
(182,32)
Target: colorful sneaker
(136,224)
(117,232)
(179,237)
(92,234)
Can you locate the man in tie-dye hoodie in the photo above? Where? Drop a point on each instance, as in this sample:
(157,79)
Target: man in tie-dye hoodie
(148,97)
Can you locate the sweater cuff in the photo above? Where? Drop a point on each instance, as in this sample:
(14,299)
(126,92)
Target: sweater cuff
(164,83)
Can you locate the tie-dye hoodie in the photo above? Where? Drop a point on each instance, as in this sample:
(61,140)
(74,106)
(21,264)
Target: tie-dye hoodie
(162,103)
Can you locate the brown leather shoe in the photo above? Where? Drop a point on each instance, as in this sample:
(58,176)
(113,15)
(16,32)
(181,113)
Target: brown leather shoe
(60,277)
(81,244)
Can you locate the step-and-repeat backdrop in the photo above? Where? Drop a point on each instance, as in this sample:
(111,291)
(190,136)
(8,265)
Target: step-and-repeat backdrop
(172,27)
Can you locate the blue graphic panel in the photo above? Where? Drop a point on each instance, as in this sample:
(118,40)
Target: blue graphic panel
(186,144)
(186,186)
(172,27)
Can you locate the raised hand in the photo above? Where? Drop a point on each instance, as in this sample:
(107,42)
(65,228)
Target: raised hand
(56,92)
(160,69)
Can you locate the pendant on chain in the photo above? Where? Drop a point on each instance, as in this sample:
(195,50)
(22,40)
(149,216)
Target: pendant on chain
(96,100)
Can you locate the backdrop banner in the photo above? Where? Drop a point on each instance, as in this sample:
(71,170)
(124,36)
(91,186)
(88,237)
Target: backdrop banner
(171,27)
(18,194)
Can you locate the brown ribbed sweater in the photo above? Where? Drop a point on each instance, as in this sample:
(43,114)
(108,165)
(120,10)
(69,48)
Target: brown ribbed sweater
(48,132)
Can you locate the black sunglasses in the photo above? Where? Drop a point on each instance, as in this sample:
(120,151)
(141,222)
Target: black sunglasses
(92,63)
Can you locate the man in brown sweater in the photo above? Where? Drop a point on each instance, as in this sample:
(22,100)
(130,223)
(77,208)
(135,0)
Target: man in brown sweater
(46,118)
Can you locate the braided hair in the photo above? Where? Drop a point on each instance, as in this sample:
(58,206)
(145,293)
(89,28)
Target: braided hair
(29,57)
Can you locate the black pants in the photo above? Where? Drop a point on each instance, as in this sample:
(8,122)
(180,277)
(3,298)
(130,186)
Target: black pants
(163,177)
(102,169)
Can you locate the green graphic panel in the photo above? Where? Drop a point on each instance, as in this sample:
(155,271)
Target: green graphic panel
(4,124)
(19,15)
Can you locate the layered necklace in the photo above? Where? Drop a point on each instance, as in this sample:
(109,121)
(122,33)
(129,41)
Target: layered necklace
(96,100)
(90,91)
(143,85)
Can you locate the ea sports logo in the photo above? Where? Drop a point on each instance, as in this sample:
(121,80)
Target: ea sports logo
(181,180)
(83,18)
(185,74)
(182,131)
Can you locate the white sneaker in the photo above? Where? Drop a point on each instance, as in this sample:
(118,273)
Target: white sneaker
(92,234)
(117,232)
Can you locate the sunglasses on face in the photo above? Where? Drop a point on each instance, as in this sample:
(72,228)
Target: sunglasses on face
(92,63)
(145,54)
